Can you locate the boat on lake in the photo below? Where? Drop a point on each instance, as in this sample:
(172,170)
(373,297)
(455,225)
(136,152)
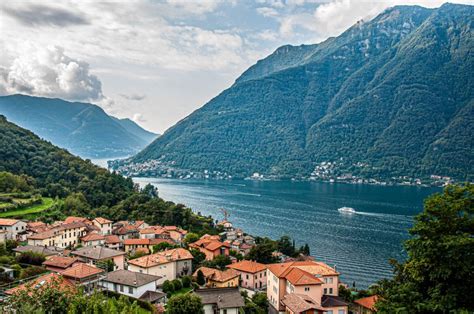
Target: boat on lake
(347,210)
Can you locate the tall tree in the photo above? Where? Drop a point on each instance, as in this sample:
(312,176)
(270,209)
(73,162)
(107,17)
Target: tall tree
(185,304)
(438,276)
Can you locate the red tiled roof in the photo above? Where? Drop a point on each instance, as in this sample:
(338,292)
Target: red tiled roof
(102,221)
(112,239)
(300,277)
(72,219)
(8,222)
(59,261)
(92,237)
(368,302)
(217,275)
(299,303)
(311,267)
(81,270)
(161,258)
(45,280)
(248,266)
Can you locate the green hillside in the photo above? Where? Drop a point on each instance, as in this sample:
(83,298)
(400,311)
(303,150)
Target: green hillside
(390,97)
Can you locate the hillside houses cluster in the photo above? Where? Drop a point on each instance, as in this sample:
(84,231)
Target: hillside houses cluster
(100,254)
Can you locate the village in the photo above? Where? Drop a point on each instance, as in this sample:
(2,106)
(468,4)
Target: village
(152,263)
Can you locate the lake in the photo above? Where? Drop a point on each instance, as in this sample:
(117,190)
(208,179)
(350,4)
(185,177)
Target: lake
(359,245)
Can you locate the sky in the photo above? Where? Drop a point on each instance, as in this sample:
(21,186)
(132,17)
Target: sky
(157,61)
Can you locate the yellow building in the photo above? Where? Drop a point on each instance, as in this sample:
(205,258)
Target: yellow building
(219,279)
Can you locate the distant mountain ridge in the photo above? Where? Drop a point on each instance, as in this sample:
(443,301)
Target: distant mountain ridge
(83,129)
(391,97)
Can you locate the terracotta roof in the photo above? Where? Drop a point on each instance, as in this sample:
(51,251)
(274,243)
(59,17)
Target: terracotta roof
(72,219)
(300,277)
(130,278)
(102,221)
(209,244)
(112,239)
(92,237)
(97,253)
(45,280)
(217,275)
(368,302)
(81,270)
(35,224)
(153,230)
(125,230)
(59,261)
(8,222)
(161,258)
(299,303)
(248,266)
(312,267)
(42,235)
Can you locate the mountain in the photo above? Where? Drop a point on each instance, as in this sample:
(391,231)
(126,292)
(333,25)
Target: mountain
(82,128)
(388,98)
(55,171)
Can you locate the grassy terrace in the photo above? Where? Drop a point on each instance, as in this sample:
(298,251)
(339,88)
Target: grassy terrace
(47,203)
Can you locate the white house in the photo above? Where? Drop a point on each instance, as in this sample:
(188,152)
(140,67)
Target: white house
(130,283)
(12,227)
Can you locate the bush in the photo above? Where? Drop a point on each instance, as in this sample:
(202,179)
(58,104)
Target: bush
(186,281)
(31,258)
(168,287)
(6,260)
(177,284)
(32,271)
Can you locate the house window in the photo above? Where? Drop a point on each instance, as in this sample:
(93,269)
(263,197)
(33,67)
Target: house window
(306,288)
(325,290)
(341,312)
(330,280)
(130,290)
(330,290)
(121,288)
(247,277)
(329,312)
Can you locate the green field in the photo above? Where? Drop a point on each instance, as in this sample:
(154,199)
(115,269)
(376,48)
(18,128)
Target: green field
(33,209)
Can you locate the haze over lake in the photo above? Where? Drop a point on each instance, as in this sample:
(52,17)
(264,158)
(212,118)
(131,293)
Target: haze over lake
(360,245)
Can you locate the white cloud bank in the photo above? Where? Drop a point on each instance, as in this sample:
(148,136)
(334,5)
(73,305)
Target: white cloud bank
(50,72)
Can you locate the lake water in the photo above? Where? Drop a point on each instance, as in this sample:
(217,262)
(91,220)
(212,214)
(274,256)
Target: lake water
(360,245)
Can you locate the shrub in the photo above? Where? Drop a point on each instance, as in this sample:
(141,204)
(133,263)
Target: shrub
(168,287)
(186,281)
(177,284)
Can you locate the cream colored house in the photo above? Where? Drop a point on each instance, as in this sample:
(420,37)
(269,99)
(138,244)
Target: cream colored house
(168,265)
(65,235)
(316,280)
(104,225)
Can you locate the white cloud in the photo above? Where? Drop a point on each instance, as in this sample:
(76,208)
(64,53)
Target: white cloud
(50,72)
(267,11)
(138,117)
(136,97)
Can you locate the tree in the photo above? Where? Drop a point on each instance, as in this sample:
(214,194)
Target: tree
(177,284)
(168,287)
(185,304)
(286,246)
(186,281)
(191,237)
(262,253)
(437,276)
(220,261)
(163,246)
(150,190)
(201,280)
(30,257)
(198,258)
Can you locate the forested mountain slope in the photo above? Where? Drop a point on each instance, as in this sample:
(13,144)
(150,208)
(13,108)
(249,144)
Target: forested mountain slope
(390,97)
(84,129)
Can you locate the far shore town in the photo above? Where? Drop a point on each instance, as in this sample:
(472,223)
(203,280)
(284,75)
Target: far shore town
(138,260)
